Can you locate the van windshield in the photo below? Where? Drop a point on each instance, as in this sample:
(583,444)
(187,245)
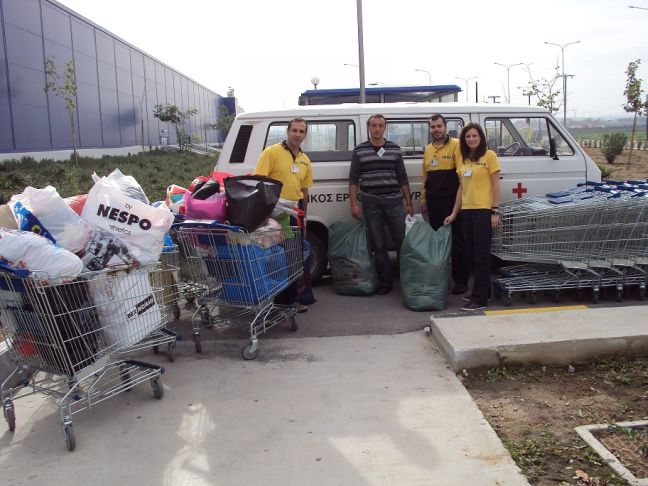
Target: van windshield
(524,136)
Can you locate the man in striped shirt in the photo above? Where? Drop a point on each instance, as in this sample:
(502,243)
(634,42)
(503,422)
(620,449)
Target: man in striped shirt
(378,180)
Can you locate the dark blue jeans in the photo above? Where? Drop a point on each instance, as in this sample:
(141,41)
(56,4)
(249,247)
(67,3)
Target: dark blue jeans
(377,216)
(478,233)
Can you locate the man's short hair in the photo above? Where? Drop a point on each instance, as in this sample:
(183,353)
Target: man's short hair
(377,115)
(297,119)
(438,116)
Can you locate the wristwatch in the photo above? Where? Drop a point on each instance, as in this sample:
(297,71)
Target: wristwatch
(495,210)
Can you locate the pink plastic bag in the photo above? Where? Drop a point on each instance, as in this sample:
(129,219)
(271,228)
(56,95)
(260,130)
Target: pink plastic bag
(213,208)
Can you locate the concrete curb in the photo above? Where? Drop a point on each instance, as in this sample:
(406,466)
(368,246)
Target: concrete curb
(554,338)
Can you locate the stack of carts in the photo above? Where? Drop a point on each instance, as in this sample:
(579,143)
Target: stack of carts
(591,238)
(66,334)
(241,273)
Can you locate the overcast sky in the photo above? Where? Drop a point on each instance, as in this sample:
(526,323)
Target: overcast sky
(269,51)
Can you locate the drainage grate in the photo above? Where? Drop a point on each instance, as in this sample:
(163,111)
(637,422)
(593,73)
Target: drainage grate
(623,446)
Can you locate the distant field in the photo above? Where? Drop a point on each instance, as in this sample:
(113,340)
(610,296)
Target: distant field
(597,134)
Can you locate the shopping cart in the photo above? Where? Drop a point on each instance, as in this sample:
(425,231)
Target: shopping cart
(593,237)
(242,274)
(64,335)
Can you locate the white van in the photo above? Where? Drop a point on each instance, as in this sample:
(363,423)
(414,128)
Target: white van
(537,155)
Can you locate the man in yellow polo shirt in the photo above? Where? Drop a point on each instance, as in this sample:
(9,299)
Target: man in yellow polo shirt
(440,184)
(286,162)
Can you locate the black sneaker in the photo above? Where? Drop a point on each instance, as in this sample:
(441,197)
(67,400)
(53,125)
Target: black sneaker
(382,290)
(472,306)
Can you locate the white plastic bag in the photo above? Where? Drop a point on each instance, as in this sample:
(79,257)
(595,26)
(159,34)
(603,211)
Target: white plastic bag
(411,220)
(125,183)
(44,212)
(126,306)
(140,226)
(24,249)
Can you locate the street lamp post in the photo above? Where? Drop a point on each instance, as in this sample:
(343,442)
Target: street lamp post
(564,78)
(428,73)
(508,78)
(465,80)
(361,68)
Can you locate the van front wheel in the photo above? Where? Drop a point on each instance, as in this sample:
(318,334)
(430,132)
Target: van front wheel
(320,260)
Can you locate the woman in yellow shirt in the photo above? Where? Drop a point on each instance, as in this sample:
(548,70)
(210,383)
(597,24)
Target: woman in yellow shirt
(478,200)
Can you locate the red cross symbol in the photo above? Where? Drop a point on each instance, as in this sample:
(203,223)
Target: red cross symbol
(519,190)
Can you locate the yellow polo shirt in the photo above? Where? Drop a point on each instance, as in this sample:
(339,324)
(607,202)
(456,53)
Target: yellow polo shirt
(445,157)
(476,188)
(278,162)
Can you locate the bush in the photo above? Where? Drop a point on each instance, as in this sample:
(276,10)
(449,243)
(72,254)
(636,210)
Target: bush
(605,172)
(613,144)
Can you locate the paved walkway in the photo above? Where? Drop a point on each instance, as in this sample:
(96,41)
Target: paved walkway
(354,410)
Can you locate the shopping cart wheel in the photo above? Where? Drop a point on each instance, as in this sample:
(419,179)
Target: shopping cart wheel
(158,389)
(70,439)
(196,340)
(249,352)
(171,347)
(595,296)
(205,321)
(293,323)
(533,298)
(10,416)
(507,299)
(619,294)
(642,293)
(176,311)
(579,294)
(156,350)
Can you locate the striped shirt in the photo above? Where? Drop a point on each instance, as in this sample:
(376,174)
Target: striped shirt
(379,176)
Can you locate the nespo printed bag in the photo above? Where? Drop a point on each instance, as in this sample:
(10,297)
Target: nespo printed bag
(140,226)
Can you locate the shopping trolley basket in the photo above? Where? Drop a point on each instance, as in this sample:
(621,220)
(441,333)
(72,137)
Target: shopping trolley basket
(243,273)
(71,329)
(589,237)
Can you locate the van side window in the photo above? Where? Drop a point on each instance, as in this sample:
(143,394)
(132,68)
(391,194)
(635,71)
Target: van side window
(410,135)
(524,136)
(241,144)
(326,141)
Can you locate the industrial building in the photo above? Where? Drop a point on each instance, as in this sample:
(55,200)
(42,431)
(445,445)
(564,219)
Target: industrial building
(118,86)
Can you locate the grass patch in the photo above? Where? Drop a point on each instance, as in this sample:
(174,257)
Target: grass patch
(532,453)
(154,171)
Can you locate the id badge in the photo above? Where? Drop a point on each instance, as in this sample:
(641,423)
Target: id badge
(467,172)
(381,152)
(434,162)
(294,169)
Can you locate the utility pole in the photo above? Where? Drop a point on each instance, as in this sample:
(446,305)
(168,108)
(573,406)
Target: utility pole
(564,78)
(361,53)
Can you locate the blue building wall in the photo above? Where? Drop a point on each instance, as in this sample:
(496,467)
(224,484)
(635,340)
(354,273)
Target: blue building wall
(117,84)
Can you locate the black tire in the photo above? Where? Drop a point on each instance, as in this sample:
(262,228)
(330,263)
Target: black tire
(10,417)
(507,299)
(247,353)
(171,352)
(197,343)
(320,260)
(70,439)
(293,324)
(158,389)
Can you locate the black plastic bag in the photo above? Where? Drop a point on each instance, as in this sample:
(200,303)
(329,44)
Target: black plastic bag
(206,189)
(250,200)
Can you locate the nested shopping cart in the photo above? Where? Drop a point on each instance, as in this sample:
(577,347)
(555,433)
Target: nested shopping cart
(589,238)
(65,336)
(242,274)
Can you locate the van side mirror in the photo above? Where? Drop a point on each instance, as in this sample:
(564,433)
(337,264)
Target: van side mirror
(553,152)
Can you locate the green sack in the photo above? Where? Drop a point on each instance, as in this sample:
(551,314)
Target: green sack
(425,267)
(352,264)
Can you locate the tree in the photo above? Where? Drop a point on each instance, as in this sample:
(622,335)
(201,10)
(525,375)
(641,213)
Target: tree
(548,96)
(65,88)
(635,104)
(223,121)
(173,115)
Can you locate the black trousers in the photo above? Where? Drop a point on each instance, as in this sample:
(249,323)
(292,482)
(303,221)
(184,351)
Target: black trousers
(478,233)
(438,209)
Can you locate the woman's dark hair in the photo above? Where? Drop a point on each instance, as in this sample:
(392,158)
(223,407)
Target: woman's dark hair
(481,149)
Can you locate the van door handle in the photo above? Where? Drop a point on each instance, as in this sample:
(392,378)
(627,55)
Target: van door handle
(501,176)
